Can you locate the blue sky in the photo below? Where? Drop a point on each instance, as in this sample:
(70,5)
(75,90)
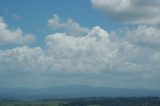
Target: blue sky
(45,43)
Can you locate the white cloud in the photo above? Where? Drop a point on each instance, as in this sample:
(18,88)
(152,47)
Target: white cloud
(83,53)
(96,57)
(144,36)
(130,11)
(72,27)
(8,36)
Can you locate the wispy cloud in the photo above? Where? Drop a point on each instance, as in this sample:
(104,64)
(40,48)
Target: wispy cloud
(70,26)
(16,17)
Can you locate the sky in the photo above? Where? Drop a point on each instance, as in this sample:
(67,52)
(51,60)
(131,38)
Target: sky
(102,43)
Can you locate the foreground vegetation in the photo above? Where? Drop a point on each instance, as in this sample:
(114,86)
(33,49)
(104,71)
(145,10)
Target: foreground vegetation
(94,101)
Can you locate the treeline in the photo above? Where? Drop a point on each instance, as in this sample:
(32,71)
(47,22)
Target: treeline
(119,101)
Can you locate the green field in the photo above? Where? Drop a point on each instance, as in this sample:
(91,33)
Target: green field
(25,103)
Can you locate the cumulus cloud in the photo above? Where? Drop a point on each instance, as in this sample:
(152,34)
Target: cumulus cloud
(70,26)
(83,53)
(130,11)
(8,36)
(144,36)
(97,58)
(20,58)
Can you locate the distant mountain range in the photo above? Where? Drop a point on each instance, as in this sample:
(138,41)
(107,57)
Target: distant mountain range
(73,92)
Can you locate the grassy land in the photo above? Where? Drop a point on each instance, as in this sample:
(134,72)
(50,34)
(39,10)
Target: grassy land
(121,101)
(24,103)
